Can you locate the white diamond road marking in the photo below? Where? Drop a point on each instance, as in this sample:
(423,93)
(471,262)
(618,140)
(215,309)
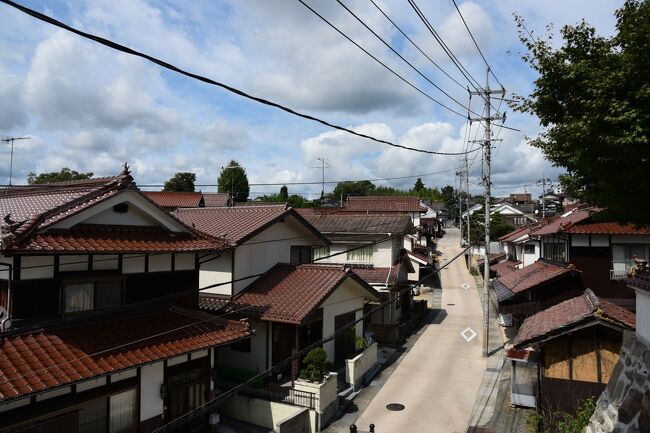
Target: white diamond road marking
(470,334)
(465,286)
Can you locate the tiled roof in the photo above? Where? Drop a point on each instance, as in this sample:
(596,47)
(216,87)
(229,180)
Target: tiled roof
(38,361)
(516,233)
(608,228)
(175,199)
(235,224)
(428,260)
(564,317)
(494,258)
(213,302)
(117,239)
(505,267)
(215,199)
(526,278)
(289,294)
(372,275)
(562,223)
(640,280)
(337,223)
(384,204)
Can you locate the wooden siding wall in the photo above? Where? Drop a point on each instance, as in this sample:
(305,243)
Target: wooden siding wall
(595,264)
(577,366)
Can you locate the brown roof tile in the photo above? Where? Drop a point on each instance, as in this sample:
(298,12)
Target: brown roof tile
(170,199)
(117,239)
(505,267)
(563,317)
(384,204)
(290,293)
(608,228)
(235,224)
(372,275)
(561,224)
(530,276)
(42,360)
(361,224)
(216,199)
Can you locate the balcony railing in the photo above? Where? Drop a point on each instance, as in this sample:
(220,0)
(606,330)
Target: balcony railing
(620,268)
(281,394)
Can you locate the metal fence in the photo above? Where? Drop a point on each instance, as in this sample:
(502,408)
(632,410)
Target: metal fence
(281,394)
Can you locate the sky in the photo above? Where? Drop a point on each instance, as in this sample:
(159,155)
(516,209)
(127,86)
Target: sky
(90,108)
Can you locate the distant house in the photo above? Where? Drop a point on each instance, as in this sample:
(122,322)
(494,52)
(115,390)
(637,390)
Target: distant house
(216,199)
(101,285)
(567,353)
(171,201)
(520,247)
(377,205)
(529,290)
(604,251)
(378,249)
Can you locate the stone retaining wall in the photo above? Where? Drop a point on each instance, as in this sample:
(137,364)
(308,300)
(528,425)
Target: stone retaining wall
(624,406)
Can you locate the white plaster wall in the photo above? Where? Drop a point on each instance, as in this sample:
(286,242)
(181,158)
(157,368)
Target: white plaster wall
(184,262)
(643,314)
(599,240)
(272,246)
(414,276)
(348,297)
(46,269)
(216,271)
(90,384)
(160,263)
(4,270)
(73,263)
(579,240)
(151,378)
(133,217)
(256,411)
(530,258)
(255,360)
(382,256)
(105,262)
(334,249)
(132,264)
(631,239)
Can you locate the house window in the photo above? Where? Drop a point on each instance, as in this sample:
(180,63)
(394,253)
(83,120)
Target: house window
(555,252)
(112,414)
(242,345)
(79,296)
(320,251)
(529,248)
(357,253)
(300,254)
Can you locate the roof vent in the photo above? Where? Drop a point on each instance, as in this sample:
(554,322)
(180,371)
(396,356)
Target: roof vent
(121,208)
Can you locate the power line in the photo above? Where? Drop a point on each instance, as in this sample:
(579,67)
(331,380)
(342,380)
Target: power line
(475,43)
(400,56)
(415,45)
(416,88)
(124,49)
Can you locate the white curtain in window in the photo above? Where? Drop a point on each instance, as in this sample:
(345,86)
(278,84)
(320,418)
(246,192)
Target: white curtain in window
(322,251)
(78,297)
(359,254)
(122,411)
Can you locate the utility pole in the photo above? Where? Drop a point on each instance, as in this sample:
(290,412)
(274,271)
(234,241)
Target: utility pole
(543,181)
(11,158)
(460,205)
(467,199)
(486,93)
(323,165)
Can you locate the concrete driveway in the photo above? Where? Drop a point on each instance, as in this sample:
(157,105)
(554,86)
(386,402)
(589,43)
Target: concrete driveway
(439,378)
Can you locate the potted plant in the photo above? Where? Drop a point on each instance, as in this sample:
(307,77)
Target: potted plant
(316,365)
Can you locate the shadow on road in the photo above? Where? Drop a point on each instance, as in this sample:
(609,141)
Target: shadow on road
(437,316)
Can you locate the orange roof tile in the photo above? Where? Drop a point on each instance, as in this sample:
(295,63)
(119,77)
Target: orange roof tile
(38,361)
(171,199)
(384,204)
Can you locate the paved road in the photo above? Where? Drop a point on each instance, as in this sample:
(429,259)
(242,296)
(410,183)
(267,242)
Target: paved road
(439,378)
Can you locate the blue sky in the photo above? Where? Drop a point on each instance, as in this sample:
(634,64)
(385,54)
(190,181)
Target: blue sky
(90,109)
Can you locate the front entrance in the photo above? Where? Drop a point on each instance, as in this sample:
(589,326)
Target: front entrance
(188,385)
(345,342)
(283,343)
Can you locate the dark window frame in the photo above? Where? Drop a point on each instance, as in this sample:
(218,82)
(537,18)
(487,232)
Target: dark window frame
(243,345)
(93,279)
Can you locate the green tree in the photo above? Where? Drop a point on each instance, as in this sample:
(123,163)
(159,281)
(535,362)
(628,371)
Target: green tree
(592,97)
(180,182)
(284,192)
(362,187)
(233,180)
(65,175)
(419,185)
(498,226)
